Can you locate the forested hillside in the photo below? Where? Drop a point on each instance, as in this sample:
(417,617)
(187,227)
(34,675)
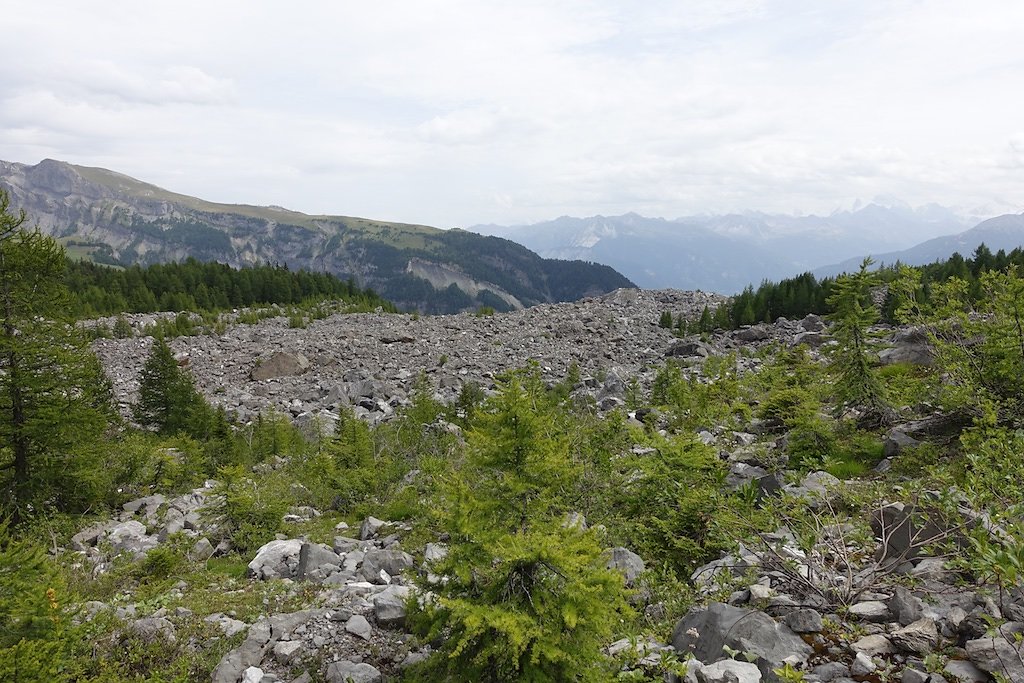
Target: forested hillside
(99,290)
(796,297)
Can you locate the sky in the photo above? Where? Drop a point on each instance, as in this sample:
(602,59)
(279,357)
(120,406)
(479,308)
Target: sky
(454,113)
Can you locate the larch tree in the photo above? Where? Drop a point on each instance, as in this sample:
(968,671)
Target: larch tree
(525,595)
(54,398)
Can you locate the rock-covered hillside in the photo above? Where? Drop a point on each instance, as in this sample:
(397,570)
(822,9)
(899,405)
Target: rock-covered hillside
(114,218)
(370,361)
(761,530)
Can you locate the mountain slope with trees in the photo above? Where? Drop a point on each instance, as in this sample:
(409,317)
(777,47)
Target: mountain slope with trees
(113,218)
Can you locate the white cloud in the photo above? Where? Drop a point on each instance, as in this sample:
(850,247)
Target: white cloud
(456,111)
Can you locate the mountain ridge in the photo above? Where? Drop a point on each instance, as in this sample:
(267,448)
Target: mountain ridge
(725,253)
(131,221)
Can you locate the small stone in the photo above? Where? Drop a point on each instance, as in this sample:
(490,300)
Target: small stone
(287,650)
(920,637)
(804,621)
(874,645)
(871,610)
(358,626)
(862,665)
(253,674)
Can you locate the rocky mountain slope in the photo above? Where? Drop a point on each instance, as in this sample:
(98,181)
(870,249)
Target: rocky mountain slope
(115,218)
(370,361)
(726,253)
(872,598)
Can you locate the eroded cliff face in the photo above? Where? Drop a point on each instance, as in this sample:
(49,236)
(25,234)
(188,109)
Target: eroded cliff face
(128,221)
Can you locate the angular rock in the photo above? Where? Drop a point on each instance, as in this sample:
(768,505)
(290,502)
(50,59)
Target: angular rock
(312,556)
(350,672)
(873,645)
(358,626)
(626,561)
(905,607)
(919,637)
(226,624)
(370,527)
(914,676)
(90,536)
(393,561)
(131,537)
(963,671)
(201,551)
(862,665)
(997,655)
(871,610)
(253,674)
(287,650)
(389,606)
(279,364)
(703,633)
(729,671)
(804,621)
(277,559)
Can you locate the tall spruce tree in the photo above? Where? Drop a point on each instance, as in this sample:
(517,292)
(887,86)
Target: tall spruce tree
(54,399)
(168,400)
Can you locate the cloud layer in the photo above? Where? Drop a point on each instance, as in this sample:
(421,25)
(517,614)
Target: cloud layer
(456,112)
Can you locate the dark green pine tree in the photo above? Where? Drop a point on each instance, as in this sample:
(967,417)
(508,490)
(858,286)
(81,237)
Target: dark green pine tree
(168,400)
(54,399)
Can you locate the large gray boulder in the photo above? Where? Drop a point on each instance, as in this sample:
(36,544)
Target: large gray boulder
(313,557)
(392,560)
(280,364)
(729,671)
(276,560)
(997,656)
(389,606)
(130,537)
(704,632)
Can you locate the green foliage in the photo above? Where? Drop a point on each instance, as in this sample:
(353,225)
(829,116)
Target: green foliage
(665,321)
(856,381)
(31,619)
(54,399)
(526,598)
(249,508)
(665,504)
(122,328)
(695,402)
(169,402)
(193,286)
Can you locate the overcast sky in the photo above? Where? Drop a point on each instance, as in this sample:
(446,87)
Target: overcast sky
(452,113)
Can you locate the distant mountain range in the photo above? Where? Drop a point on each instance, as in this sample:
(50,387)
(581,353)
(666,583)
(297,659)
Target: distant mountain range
(726,253)
(110,217)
